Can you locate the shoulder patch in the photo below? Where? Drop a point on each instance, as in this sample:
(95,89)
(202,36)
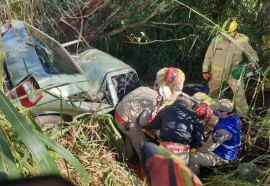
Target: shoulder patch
(219,133)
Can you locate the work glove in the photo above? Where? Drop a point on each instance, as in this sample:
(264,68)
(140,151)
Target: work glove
(206,76)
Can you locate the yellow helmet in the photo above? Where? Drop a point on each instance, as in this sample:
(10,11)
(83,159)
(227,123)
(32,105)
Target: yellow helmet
(229,26)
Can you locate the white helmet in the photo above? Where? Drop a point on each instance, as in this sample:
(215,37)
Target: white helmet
(165,92)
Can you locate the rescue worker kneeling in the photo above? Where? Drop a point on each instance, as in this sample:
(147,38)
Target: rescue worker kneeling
(180,127)
(224,141)
(134,111)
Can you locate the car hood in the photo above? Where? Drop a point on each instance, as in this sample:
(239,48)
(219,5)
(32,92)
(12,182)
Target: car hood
(96,65)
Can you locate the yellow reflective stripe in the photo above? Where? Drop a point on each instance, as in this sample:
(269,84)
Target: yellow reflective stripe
(217,68)
(246,107)
(205,68)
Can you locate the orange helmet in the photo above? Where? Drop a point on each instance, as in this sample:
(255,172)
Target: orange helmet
(171,75)
(203,111)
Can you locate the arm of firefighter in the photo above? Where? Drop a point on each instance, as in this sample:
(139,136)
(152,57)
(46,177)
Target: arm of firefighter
(144,117)
(197,134)
(250,52)
(215,140)
(208,57)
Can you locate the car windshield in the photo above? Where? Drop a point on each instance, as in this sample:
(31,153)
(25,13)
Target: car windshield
(51,54)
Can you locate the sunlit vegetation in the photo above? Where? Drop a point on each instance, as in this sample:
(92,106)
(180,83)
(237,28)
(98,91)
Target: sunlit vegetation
(147,35)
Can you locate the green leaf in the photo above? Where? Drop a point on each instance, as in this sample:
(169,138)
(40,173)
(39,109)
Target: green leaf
(1,61)
(3,170)
(65,154)
(7,157)
(37,149)
(23,161)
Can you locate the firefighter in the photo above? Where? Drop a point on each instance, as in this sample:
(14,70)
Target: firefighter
(180,127)
(222,56)
(224,141)
(173,77)
(134,112)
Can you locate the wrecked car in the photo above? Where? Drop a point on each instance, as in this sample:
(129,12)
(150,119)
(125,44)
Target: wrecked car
(42,76)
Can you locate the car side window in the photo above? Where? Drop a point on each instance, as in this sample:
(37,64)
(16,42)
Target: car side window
(51,55)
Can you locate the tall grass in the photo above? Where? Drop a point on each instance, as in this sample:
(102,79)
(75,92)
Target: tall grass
(96,142)
(32,143)
(93,139)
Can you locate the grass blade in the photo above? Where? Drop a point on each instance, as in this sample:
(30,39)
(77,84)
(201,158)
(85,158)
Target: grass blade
(7,157)
(65,154)
(37,149)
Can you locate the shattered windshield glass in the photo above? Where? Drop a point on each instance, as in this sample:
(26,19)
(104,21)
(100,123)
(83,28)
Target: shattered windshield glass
(50,53)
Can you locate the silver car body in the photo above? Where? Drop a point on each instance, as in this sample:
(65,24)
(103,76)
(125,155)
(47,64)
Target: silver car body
(69,84)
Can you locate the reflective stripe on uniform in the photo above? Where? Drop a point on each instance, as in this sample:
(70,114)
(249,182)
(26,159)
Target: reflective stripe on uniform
(119,119)
(217,68)
(246,107)
(242,108)
(231,147)
(205,68)
(175,147)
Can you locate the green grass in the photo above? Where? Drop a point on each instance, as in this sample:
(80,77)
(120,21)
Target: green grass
(93,139)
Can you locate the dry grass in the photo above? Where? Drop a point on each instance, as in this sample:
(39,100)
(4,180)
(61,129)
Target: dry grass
(89,140)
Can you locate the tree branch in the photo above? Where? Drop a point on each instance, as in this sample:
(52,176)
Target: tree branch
(117,31)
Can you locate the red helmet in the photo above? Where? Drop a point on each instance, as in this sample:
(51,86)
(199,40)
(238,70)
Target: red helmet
(171,75)
(203,111)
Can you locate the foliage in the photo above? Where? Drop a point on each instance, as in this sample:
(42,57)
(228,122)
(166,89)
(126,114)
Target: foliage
(37,158)
(257,175)
(149,35)
(96,142)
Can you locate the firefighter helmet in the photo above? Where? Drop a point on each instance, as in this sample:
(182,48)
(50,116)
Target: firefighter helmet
(229,26)
(203,111)
(165,92)
(171,75)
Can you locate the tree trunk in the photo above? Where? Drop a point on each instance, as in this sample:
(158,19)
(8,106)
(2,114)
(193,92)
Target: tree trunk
(263,19)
